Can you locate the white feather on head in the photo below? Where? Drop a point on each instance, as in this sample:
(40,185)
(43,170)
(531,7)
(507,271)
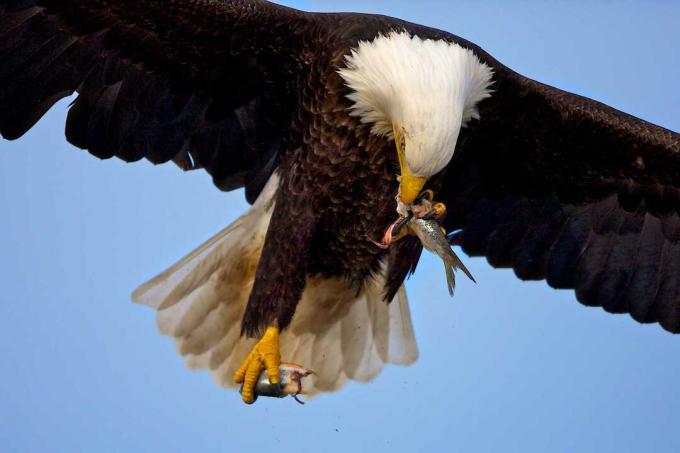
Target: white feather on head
(427,88)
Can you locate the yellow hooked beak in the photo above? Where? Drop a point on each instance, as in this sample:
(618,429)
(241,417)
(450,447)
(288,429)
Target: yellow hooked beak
(410,185)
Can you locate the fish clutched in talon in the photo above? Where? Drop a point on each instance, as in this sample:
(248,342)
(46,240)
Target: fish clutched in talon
(290,382)
(422,220)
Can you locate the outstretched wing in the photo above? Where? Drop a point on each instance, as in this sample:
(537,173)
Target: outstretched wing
(203,83)
(559,187)
(564,188)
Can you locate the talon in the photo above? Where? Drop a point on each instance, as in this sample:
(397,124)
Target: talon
(297,398)
(387,238)
(399,229)
(265,355)
(439,211)
(425,195)
(381,245)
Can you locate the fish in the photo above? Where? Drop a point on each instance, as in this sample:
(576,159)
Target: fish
(421,219)
(290,382)
(434,239)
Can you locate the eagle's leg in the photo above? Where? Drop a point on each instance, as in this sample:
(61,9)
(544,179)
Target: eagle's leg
(265,355)
(279,281)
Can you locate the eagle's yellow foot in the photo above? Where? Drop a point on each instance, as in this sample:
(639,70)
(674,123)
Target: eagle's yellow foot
(265,354)
(439,211)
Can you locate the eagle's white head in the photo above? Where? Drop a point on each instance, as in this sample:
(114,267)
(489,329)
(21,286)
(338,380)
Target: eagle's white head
(418,92)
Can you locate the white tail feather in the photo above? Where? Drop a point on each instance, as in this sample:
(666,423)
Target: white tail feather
(336,332)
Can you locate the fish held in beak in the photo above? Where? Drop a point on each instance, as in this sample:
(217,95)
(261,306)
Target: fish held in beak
(422,220)
(433,238)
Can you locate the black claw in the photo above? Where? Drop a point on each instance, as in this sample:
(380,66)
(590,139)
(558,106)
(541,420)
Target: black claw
(399,225)
(429,194)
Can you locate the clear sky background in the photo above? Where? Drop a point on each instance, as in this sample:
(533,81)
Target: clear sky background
(504,366)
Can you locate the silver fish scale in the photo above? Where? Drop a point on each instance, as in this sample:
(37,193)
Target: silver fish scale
(434,239)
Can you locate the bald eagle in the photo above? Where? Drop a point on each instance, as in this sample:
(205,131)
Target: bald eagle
(331,122)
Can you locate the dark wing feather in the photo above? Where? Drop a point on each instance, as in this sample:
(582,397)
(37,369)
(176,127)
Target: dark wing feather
(564,188)
(203,83)
(401,263)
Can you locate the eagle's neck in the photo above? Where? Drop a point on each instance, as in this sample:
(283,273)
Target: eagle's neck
(427,88)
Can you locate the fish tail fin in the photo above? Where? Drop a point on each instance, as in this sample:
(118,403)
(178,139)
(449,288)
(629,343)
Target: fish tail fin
(459,265)
(455,262)
(452,263)
(450,277)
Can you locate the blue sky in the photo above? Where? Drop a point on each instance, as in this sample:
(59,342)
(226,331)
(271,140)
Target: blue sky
(505,365)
